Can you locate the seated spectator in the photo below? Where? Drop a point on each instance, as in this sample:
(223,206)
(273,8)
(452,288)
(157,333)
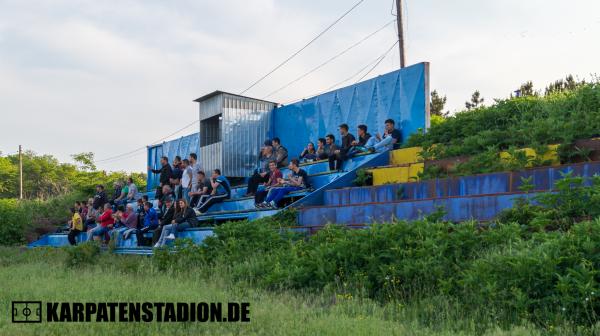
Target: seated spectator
(392,137)
(201,191)
(90,217)
(309,154)
(274,179)
(297,180)
(120,216)
(116,193)
(186,179)
(84,210)
(261,175)
(122,199)
(128,222)
(105,224)
(75,225)
(337,156)
(176,186)
(322,149)
(221,190)
(281,153)
(166,219)
(165,175)
(166,192)
(185,218)
(150,223)
(132,190)
(140,211)
(364,142)
(99,198)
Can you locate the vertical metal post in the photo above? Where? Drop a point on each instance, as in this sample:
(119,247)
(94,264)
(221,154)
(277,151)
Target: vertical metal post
(20,172)
(400,32)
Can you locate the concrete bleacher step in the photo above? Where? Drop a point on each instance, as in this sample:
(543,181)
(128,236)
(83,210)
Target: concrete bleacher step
(542,179)
(483,207)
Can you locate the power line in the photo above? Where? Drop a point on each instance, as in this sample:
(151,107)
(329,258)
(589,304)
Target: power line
(376,60)
(304,47)
(330,60)
(376,64)
(122,156)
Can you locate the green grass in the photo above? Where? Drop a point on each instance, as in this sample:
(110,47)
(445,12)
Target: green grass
(41,274)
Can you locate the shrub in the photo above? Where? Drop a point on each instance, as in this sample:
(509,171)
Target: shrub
(83,254)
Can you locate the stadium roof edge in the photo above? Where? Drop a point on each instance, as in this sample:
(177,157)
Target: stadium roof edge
(218,92)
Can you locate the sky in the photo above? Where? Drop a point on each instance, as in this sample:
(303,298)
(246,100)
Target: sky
(110,77)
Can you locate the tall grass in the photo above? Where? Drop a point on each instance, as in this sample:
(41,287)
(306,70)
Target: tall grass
(42,274)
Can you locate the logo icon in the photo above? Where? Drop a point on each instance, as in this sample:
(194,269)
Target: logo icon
(27,311)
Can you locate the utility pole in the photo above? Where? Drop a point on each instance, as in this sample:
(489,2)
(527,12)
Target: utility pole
(400,32)
(20,172)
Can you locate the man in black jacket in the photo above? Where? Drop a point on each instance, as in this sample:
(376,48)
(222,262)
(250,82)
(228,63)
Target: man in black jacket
(168,215)
(337,157)
(99,197)
(165,175)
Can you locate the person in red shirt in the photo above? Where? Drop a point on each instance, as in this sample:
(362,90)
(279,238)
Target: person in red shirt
(274,176)
(105,221)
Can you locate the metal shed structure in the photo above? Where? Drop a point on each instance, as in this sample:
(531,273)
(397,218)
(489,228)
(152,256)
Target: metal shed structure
(232,131)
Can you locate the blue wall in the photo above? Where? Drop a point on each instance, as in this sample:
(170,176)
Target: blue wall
(401,95)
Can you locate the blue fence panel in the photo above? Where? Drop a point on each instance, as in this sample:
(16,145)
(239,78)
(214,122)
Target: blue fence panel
(401,95)
(182,146)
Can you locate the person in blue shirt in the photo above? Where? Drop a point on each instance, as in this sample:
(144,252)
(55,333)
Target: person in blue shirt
(221,190)
(150,223)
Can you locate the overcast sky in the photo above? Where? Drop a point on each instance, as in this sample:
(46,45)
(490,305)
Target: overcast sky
(112,76)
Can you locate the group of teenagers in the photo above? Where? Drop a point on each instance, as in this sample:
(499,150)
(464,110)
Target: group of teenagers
(185,192)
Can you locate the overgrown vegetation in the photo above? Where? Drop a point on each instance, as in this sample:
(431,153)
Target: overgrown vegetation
(538,262)
(567,112)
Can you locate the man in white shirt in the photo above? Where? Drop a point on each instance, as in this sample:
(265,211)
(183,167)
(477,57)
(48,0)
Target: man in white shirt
(186,179)
(195,166)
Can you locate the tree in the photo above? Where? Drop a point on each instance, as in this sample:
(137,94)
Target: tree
(567,84)
(476,100)
(437,104)
(526,89)
(85,160)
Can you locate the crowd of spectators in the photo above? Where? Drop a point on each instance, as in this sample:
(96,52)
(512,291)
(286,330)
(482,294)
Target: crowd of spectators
(185,192)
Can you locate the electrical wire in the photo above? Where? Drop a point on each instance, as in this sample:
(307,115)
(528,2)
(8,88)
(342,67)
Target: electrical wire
(125,155)
(330,59)
(304,47)
(376,60)
(376,64)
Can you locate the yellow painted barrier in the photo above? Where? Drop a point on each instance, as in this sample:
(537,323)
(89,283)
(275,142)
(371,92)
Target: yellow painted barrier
(402,174)
(551,155)
(405,155)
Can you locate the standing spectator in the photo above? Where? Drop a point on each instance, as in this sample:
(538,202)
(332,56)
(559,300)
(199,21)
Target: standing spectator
(392,137)
(309,154)
(185,218)
(176,177)
(261,175)
(274,181)
(337,156)
(99,198)
(322,149)
(195,168)
(297,180)
(167,217)
(201,191)
(105,223)
(150,223)
(165,175)
(76,226)
(281,153)
(133,190)
(221,190)
(186,179)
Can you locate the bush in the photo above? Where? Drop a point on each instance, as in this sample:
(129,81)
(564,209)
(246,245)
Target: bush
(13,220)
(83,254)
